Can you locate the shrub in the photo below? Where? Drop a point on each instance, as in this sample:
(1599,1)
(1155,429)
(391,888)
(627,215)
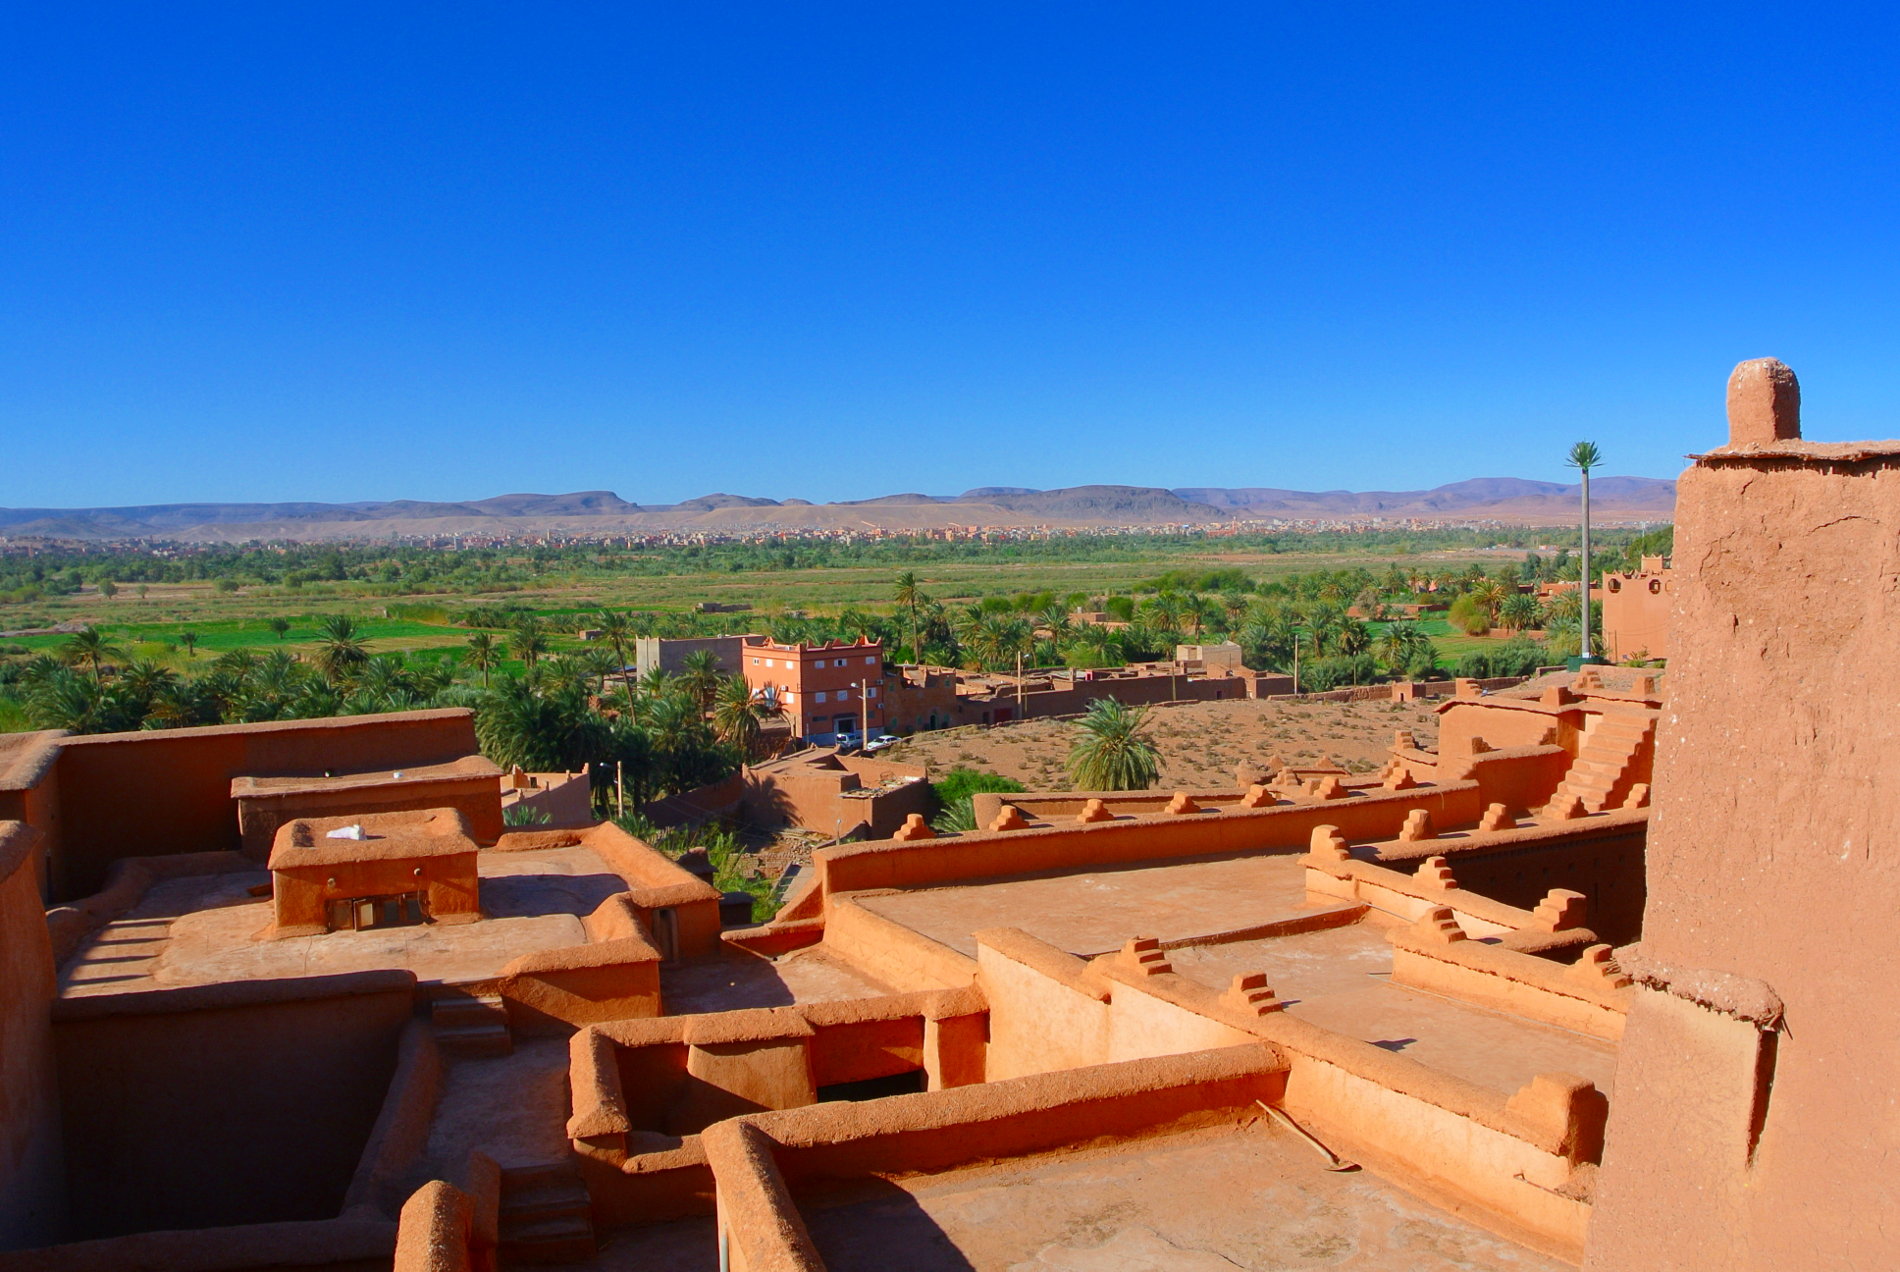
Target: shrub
(1468,616)
(1333,673)
(961,783)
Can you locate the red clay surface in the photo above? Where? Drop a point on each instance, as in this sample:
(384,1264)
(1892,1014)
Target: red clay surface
(1251,1198)
(741,979)
(1094,911)
(208,929)
(1200,742)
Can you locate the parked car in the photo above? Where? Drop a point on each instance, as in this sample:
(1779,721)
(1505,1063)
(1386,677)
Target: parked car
(880,742)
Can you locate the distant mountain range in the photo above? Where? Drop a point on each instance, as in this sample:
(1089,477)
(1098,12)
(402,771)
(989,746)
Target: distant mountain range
(1507,499)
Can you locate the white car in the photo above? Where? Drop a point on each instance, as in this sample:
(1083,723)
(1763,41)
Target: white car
(879,742)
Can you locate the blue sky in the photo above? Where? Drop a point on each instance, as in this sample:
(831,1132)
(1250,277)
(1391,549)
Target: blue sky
(834,251)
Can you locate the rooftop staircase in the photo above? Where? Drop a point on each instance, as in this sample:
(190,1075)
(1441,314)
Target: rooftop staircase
(1604,771)
(467,1025)
(546,1215)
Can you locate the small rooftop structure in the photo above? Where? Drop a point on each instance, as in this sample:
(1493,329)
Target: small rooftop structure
(333,874)
(470,784)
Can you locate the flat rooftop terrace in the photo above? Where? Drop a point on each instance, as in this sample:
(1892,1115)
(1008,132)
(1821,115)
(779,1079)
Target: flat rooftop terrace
(1339,978)
(1088,912)
(1336,977)
(1251,1197)
(739,979)
(210,929)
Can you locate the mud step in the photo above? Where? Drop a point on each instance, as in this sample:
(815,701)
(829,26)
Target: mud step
(554,1241)
(548,1202)
(546,1215)
(475,1040)
(468,1010)
(471,1026)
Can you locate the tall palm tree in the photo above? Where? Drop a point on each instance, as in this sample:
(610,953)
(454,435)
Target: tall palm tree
(66,700)
(189,639)
(1519,611)
(341,649)
(1054,619)
(1167,609)
(89,647)
(279,626)
(911,596)
(700,676)
(483,654)
(617,630)
(1583,457)
(656,684)
(1399,643)
(144,679)
(600,664)
(1112,751)
(739,715)
(857,624)
(528,642)
(1491,594)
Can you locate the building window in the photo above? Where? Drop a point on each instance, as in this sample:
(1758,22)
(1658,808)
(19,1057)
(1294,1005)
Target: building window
(821,695)
(844,695)
(870,691)
(870,660)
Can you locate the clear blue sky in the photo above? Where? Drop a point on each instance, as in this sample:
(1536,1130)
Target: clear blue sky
(276,251)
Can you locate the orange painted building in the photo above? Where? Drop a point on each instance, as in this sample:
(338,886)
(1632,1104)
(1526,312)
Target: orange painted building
(1636,611)
(828,689)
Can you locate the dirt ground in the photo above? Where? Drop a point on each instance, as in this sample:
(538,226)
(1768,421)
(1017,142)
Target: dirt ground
(1201,743)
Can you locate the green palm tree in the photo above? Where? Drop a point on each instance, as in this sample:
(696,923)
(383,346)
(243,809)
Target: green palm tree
(341,649)
(66,700)
(617,630)
(189,639)
(89,647)
(279,626)
(600,664)
(700,676)
(1111,750)
(483,654)
(1583,457)
(540,731)
(1352,637)
(1400,643)
(656,684)
(1491,594)
(528,642)
(144,679)
(739,715)
(1519,611)
(911,596)
(857,624)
